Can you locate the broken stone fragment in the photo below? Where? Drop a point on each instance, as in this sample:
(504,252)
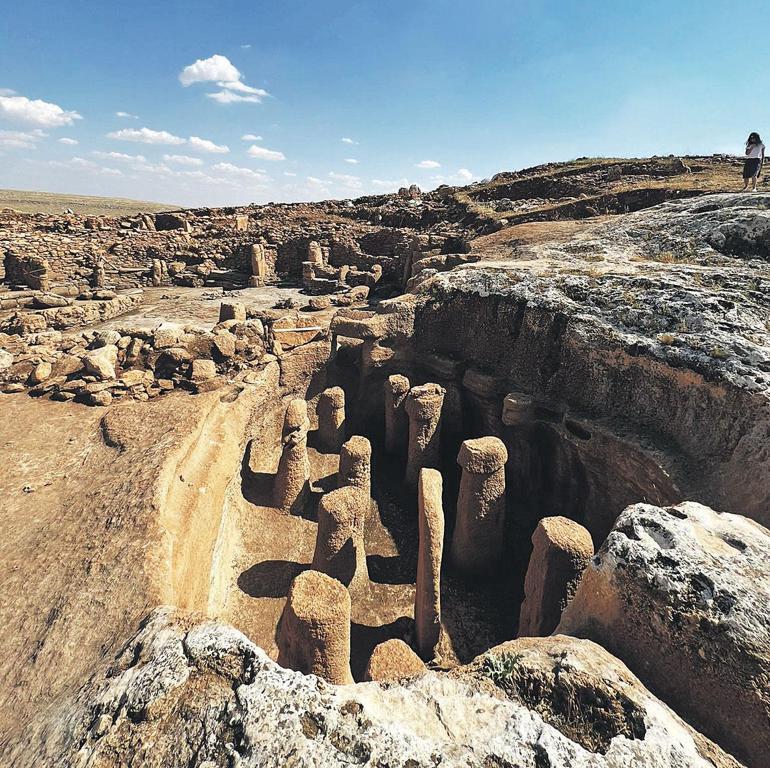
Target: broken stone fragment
(101,362)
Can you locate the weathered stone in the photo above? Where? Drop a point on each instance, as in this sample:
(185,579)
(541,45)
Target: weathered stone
(315,628)
(427,601)
(41,372)
(101,362)
(477,543)
(232,310)
(339,548)
(291,481)
(396,419)
(331,419)
(680,594)
(394,660)
(200,370)
(356,464)
(423,407)
(561,550)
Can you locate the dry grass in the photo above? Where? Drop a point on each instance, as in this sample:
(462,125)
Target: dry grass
(51,202)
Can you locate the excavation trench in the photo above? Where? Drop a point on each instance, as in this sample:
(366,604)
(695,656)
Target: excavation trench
(233,556)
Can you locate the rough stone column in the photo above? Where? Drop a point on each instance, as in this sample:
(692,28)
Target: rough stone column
(396,420)
(561,551)
(291,482)
(478,536)
(314,253)
(314,637)
(339,545)
(427,602)
(423,406)
(157,272)
(258,265)
(356,464)
(394,660)
(331,419)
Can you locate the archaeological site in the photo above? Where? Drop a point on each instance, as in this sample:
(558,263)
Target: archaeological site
(471,477)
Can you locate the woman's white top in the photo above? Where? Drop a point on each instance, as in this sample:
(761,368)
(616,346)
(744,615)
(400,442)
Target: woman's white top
(754,150)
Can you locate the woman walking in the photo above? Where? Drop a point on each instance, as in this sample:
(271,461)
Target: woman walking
(755,157)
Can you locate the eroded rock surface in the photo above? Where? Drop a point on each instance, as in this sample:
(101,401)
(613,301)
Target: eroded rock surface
(181,696)
(681,594)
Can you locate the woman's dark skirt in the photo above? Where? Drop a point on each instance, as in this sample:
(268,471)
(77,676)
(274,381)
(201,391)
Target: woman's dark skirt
(751,167)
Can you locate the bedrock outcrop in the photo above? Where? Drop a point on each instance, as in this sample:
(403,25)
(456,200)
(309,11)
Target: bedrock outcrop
(681,595)
(182,695)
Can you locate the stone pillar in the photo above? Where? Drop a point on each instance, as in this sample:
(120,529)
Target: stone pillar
(331,419)
(356,464)
(339,546)
(291,482)
(561,551)
(396,420)
(478,536)
(393,660)
(314,635)
(258,265)
(314,253)
(423,406)
(427,602)
(157,272)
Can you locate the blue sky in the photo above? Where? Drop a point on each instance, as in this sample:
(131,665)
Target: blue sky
(424,92)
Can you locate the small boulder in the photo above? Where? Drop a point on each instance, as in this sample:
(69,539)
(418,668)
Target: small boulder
(41,372)
(201,370)
(232,310)
(50,300)
(102,397)
(101,362)
(6,359)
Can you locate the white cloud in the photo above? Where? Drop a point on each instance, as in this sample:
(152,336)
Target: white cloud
(229,97)
(120,156)
(427,164)
(289,173)
(127,115)
(347,140)
(145,136)
(464,174)
(216,67)
(7,92)
(351,160)
(220,70)
(35,112)
(204,145)
(183,160)
(250,137)
(237,85)
(228,169)
(20,139)
(246,46)
(69,142)
(263,153)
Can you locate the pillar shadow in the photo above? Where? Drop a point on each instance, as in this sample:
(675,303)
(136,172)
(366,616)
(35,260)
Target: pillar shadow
(256,487)
(392,569)
(270,578)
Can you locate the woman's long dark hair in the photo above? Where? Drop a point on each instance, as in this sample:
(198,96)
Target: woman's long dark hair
(753,139)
